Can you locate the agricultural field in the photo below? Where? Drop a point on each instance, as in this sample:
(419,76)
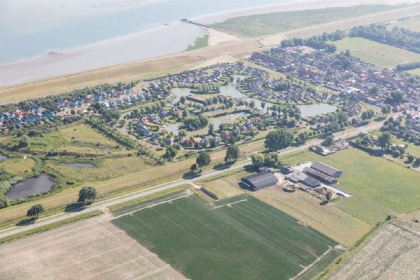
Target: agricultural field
(392,253)
(89,249)
(265,24)
(376,53)
(378,187)
(240,237)
(412,24)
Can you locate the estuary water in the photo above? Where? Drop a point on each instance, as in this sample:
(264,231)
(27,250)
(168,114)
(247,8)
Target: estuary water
(29,28)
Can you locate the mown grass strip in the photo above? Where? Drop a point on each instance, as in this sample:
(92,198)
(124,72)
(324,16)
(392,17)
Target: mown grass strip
(49,226)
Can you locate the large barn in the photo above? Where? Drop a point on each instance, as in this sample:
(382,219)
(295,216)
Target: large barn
(319,175)
(261,180)
(326,169)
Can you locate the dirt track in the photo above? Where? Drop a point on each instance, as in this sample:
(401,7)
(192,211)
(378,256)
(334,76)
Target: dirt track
(91,249)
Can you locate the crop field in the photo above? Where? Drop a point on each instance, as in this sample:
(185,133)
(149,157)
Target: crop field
(376,53)
(378,187)
(89,249)
(392,253)
(240,237)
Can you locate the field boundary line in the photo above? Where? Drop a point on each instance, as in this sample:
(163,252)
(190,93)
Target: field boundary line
(312,264)
(229,204)
(151,206)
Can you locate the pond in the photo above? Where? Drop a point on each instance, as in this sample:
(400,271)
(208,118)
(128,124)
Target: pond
(231,90)
(2,157)
(30,186)
(81,164)
(216,121)
(316,109)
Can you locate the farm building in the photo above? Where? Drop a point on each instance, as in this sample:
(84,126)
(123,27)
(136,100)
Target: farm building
(319,175)
(311,182)
(300,177)
(326,169)
(260,180)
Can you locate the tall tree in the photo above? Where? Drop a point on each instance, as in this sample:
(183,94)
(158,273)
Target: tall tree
(279,139)
(170,152)
(211,129)
(35,210)
(203,159)
(257,160)
(384,140)
(86,195)
(232,154)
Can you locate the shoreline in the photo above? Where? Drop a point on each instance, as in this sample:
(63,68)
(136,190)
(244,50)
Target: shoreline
(131,48)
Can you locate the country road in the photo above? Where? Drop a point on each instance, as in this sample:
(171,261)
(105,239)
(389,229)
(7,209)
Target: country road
(102,205)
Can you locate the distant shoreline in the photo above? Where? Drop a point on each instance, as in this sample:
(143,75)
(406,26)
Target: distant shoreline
(165,40)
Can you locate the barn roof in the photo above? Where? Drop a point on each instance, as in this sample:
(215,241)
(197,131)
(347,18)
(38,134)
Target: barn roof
(261,180)
(324,168)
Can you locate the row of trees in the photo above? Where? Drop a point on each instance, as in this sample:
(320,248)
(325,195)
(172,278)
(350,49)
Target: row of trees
(266,160)
(398,37)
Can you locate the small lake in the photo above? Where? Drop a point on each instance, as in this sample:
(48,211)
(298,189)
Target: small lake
(309,110)
(316,109)
(216,121)
(30,186)
(2,157)
(81,164)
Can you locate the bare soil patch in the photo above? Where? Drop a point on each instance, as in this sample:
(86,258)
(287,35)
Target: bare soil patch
(90,249)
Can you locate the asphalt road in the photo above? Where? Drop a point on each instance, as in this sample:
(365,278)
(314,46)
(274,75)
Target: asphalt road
(102,205)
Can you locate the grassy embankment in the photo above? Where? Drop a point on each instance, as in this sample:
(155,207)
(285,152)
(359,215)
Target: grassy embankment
(376,53)
(215,242)
(265,24)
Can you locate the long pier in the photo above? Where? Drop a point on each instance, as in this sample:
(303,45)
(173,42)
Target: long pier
(195,23)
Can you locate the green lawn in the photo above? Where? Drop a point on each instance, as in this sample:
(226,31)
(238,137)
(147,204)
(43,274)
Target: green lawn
(376,53)
(379,187)
(264,24)
(246,240)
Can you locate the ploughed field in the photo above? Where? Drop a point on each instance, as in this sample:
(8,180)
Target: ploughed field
(90,249)
(392,253)
(236,238)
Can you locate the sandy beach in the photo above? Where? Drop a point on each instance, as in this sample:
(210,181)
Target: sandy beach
(165,40)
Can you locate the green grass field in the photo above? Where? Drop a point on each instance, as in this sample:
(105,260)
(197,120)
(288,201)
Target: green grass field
(264,24)
(244,240)
(376,53)
(379,187)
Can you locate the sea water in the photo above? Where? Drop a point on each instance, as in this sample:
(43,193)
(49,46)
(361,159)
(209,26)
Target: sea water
(29,28)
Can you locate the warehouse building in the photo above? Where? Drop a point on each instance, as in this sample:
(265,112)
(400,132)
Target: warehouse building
(261,180)
(319,175)
(326,169)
